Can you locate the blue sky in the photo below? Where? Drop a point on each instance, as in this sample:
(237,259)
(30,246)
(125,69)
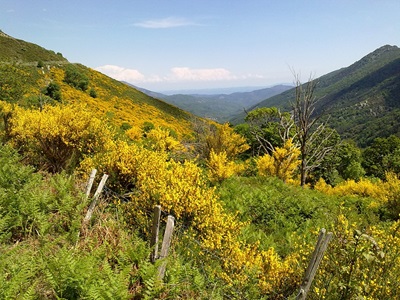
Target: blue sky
(185,44)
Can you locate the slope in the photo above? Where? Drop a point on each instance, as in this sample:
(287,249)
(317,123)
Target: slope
(118,103)
(19,51)
(362,100)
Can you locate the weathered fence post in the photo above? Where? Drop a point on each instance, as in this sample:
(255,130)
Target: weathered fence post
(323,241)
(165,245)
(154,233)
(95,197)
(90,182)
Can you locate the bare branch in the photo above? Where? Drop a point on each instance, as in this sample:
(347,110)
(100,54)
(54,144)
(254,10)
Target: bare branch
(312,152)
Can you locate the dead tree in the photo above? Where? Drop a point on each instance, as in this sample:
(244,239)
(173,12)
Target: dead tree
(312,135)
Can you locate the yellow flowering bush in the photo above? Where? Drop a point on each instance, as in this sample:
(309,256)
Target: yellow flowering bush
(282,163)
(118,102)
(386,194)
(6,110)
(391,186)
(220,168)
(134,133)
(322,186)
(364,188)
(58,136)
(181,189)
(160,139)
(223,138)
(360,264)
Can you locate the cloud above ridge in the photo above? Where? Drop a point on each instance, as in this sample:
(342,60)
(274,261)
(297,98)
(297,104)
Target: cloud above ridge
(175,75)
(120,73)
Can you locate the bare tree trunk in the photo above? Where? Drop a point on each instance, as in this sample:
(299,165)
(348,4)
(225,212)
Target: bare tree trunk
(303,172)
(311,138)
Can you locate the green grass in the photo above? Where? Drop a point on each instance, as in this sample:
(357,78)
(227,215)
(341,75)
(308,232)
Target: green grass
(276,212)
(15,50)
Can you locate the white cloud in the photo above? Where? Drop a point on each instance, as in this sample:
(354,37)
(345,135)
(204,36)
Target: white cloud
(187,74)
(176,75)
(122,74)
(169,22)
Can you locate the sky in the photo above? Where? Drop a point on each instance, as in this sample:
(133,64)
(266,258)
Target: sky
(164,45)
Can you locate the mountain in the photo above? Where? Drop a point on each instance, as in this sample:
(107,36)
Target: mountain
(219,107)
(362,100)
(31,68)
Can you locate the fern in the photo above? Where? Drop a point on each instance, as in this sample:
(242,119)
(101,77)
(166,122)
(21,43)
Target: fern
(17,274)
(30,293)
(148,274)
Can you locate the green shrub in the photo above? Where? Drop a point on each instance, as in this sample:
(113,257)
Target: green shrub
(93,93)
(76,78)
(53,90)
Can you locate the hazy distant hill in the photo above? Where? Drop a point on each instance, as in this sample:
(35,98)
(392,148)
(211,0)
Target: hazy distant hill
(113,100)
(220,107)
(362,100)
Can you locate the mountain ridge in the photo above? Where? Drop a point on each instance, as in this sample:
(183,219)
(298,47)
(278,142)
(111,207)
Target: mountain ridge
(362,100)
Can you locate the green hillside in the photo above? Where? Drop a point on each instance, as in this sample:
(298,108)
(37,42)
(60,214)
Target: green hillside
(15,50)
(362,100)
(30,69)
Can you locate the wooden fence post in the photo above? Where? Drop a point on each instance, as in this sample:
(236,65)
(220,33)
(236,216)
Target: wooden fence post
(90,182)
(95,197)
(154,233)
(323,241)
(165,245)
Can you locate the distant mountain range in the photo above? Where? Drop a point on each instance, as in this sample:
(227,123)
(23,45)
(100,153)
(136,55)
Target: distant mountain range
(362,100)
(218,107)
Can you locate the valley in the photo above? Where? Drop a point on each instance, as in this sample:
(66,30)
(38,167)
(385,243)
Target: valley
(248,192)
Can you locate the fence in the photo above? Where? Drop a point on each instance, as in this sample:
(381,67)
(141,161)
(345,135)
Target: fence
(318,253)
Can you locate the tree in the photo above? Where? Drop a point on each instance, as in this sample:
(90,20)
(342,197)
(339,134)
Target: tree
(342,163)
(350,161)
(93,93)
(311,135)
(53,91)
(76,78)
(270,128)
(382,156)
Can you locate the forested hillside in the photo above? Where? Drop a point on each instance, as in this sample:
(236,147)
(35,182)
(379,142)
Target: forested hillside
(242,223)
(362,100)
